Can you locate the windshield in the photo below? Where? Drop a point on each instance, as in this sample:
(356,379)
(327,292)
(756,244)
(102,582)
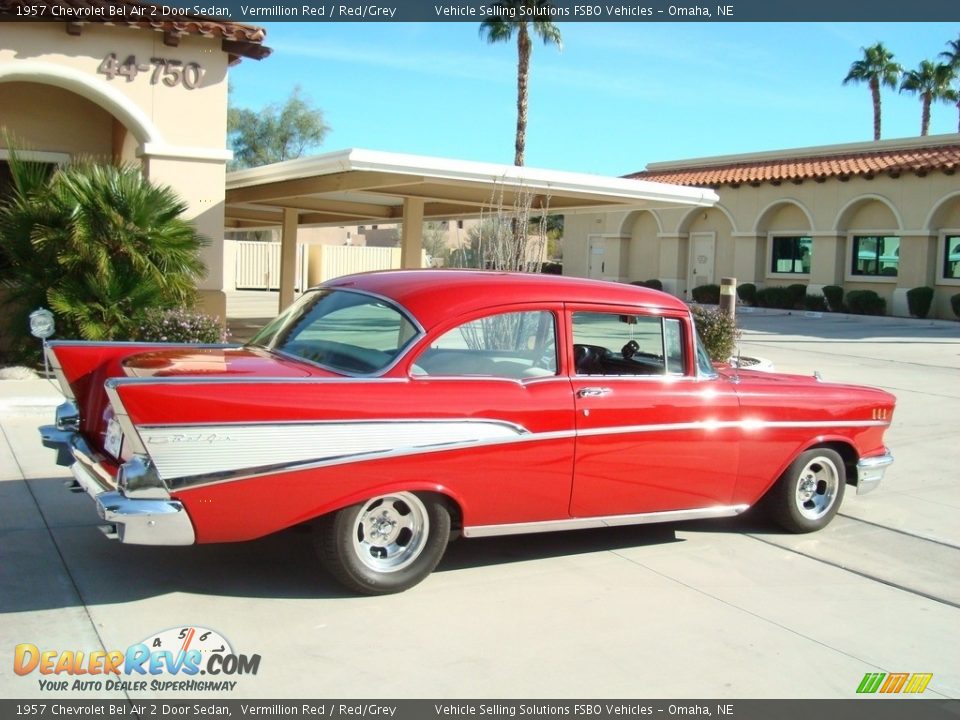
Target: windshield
(342,330)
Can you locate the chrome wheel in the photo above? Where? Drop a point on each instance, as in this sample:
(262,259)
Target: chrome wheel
(817,486)
(391,532)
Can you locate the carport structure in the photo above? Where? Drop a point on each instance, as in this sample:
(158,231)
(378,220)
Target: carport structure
(354,187)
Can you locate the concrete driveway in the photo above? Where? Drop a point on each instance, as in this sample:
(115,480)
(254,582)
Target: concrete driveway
(729,609)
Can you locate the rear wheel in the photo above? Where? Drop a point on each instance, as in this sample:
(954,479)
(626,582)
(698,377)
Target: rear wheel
(386,544)
(809,493)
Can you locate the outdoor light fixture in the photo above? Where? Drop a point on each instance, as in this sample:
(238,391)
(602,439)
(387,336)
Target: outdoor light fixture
(42,326)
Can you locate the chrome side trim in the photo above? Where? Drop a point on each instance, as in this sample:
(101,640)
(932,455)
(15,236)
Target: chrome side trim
(57,367)
(870,471)
(603,521)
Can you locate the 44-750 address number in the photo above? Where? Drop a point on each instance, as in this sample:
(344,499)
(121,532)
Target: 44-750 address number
(169,72)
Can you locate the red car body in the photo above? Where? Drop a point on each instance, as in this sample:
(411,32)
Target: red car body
(492,404)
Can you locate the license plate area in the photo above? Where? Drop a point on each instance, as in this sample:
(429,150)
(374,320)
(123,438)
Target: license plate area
(113,438)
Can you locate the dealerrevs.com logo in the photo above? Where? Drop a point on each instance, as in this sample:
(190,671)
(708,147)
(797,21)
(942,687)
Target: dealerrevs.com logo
(891,683)
(168,661)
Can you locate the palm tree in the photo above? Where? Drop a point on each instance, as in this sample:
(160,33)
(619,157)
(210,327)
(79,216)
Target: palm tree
(952,58)
(499,29)
(931,81)
(98,244)
(876,68)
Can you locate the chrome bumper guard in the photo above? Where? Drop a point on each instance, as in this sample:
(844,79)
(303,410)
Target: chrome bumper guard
(136,521)
(870,471)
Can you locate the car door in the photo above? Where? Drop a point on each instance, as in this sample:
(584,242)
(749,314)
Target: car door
(652,434)
(497,375)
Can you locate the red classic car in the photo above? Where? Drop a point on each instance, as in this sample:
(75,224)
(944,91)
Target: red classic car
(394,410)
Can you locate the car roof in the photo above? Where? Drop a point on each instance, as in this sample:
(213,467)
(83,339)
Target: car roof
(434,295)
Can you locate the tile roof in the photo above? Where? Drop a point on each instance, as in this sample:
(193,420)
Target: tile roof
(775,170)
(239,39)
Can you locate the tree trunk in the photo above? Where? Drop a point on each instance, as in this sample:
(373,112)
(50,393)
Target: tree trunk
(925,117)
(875,94)
(523,72)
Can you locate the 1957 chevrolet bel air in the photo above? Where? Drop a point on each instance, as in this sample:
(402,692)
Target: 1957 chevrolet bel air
(392,410)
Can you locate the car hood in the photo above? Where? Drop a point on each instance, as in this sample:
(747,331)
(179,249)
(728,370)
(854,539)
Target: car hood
(240,361)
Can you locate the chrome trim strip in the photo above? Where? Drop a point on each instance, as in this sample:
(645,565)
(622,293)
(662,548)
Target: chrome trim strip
(523,436)
(130,434)
(243,380)
(870,471)
(132,343)
(57,367)
(603,521)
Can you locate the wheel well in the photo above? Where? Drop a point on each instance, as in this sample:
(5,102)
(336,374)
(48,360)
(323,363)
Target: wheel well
(849,456)
(456,512)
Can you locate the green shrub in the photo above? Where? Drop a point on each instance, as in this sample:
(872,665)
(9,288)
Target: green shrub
(866,302)
(552,268)
(834,296)
(182,326)
(717,330)
(955,304)
(775,297)
(653,284)
(797,293)
(919,300)
(707,294)
(815,303)
(747,292)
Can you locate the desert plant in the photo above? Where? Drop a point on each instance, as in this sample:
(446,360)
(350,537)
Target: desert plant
(834,296)
(866,302)
(919,300)
(747,292)
(775,297)
(98,244)
(717,330)
(815,303)
(955,304)
(180,325)
(797,293)
(706,294)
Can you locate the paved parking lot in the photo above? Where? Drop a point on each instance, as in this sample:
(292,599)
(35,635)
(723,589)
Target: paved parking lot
(727,610)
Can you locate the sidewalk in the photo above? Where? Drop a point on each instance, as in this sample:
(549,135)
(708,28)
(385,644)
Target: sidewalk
(36,397)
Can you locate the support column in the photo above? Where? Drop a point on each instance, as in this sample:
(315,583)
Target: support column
(288,256)
(411,239)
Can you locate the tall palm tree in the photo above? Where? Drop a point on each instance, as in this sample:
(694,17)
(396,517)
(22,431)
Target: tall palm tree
(876,68)
(498,28)
(931,81)
(952,58)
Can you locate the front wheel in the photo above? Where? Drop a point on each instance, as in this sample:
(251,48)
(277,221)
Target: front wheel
(809,493)
(386,544)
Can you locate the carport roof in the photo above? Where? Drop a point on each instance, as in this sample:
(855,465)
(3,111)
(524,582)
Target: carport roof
(357,186)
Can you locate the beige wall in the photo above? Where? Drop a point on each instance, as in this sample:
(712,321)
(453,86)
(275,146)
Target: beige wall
(53,99)
(919,210)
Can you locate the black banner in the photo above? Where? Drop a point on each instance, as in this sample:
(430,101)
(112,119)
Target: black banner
(875,708)
(257,11)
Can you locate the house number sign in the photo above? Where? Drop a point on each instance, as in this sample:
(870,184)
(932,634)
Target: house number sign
(169,72)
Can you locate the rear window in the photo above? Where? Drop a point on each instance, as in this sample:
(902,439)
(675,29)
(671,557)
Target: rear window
(342,330)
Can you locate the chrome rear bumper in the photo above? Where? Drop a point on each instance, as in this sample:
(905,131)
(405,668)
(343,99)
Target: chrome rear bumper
(870,471)
(136,521)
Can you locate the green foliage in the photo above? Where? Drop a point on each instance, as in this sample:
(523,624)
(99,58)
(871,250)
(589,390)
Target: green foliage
(717,330)
(706,294)
(776,297)
(797,292)
(931,82)
(919,300)
(866,302)
(180,325)
(98,244)
(955,304)
(747,292)
(834,296)
(815,303)
(275,132)
(653,284)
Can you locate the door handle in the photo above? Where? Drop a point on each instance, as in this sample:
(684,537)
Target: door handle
(593,392)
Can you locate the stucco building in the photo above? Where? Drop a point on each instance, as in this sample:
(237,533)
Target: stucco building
(151,93)
(883,216)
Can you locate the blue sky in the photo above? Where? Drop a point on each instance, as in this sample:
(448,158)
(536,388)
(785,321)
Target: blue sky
(619,95)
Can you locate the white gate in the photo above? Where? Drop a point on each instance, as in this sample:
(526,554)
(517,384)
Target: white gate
(258,266)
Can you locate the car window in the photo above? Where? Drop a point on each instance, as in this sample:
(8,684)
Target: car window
(510,345)
(346,331)
(618,344)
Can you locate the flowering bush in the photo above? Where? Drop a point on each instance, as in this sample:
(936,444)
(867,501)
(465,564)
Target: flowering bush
(718,331)
(181,325)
